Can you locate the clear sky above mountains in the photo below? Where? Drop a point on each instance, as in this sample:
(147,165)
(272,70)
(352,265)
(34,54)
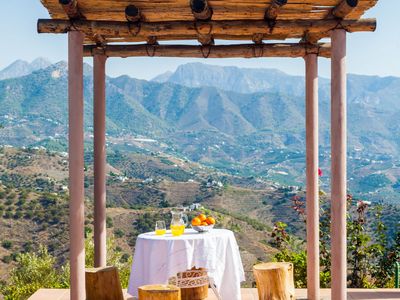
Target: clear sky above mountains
(368,53)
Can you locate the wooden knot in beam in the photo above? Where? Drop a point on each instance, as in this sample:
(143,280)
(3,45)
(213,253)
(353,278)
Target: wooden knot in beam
(133,14)
(71,8)
(272,11)
(344,8)
(201,10)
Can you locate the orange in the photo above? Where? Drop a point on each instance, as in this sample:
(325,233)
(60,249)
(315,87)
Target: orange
(202,217)
(196,222)
(204,223)
(210,221)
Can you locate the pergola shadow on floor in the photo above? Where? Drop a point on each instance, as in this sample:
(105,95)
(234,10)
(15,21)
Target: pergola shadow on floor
(94,27)
(249,294)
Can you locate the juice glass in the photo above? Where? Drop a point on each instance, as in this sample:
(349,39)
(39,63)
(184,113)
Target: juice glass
(160,228)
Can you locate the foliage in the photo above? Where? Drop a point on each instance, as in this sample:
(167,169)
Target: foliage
(6,244)
(371,255)
(114,258)
(35,270)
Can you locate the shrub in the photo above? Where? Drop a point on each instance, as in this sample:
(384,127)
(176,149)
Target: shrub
(6,244)
(119,233)
(370,255)
(33,271)
(109,222)
(7,259)
(114,258)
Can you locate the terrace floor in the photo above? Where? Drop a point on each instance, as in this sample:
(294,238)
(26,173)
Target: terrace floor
(249,294)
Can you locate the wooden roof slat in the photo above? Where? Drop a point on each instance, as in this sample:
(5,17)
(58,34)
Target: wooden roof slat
(165,19)
(179,10)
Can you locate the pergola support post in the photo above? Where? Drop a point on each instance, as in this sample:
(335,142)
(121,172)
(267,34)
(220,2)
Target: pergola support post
(338,165)
(99,141)
(76,165)
(312,196)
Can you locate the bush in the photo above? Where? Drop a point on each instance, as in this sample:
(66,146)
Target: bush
(370,256)
(114,258)
(33,271)
(109,222)
(37,270)
(7,259)
(6,244)
(119,233)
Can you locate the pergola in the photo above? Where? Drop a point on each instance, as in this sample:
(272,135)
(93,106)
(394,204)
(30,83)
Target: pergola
(125,28)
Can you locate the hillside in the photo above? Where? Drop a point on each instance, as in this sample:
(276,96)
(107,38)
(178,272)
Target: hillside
(255,128)
(140,189)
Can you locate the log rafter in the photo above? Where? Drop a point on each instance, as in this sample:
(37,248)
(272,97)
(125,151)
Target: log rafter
(71,8)
(182,30)
(201,10)
(344,8)
(132,13)
(212,51)
(272,11)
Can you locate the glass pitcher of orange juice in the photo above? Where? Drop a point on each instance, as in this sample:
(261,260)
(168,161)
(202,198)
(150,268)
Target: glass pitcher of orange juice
(178,223)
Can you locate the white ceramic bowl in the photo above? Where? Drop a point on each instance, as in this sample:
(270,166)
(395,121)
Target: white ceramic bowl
(203,228)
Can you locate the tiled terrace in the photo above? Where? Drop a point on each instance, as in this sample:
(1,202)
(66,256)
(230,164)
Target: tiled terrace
(250,294)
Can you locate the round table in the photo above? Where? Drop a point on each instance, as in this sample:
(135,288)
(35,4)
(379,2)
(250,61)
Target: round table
(158,258)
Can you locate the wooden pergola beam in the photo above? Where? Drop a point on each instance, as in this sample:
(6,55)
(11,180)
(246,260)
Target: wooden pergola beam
(71,8)
(201,9)
(273,10)
(220,51)
(182,30)
(344,8)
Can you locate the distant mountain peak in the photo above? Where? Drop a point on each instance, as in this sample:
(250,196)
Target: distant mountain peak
(228,78)
(163,77)
(40,63)
(22,68)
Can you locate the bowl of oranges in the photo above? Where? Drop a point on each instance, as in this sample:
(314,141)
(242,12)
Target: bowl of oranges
(202,223)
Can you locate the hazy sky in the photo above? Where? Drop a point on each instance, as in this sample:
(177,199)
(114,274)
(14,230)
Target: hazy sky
(368,53)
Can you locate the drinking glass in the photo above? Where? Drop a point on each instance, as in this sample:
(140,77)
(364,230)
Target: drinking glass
(161,229)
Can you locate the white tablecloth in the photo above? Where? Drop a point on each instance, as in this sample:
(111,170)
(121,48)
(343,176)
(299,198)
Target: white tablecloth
(157,258)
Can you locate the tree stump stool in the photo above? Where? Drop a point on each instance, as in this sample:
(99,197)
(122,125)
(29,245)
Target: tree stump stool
(103,284)
(193,283)
(274,281)
(159,292)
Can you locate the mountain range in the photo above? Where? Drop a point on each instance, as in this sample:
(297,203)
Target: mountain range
(21,68)
(248,121)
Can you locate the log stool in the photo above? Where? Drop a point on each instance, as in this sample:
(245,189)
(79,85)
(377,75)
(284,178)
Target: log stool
(103,284)
(193,283)
(159,292)
(274,281)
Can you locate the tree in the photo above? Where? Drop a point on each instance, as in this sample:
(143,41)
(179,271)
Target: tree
(33,271)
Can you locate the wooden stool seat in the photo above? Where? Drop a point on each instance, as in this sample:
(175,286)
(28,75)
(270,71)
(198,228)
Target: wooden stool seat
(274,281)
(159,292)
(193,283)
(103,284)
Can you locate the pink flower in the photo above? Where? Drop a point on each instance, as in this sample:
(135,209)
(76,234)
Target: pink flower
(320,172)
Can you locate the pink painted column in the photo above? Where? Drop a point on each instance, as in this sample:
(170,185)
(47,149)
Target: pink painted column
(312,202)
(339,167)
(76,165)
(99,125)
